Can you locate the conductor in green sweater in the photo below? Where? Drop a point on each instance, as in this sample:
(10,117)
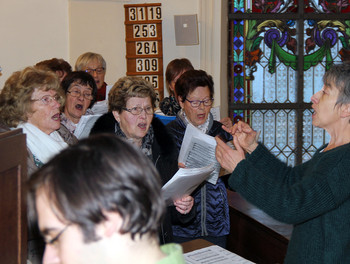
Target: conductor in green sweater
(313,196)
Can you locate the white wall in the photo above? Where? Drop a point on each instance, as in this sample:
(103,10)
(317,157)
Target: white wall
(98,26)
(34,30)
(31,31)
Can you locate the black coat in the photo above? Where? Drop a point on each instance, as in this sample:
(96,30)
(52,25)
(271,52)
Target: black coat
(164,156)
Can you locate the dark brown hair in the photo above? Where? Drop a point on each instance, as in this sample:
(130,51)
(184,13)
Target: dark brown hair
(175,68)
(190,80)
(98,174)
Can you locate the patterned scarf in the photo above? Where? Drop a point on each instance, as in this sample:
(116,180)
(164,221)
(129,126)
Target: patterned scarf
(147,140)
(205,127)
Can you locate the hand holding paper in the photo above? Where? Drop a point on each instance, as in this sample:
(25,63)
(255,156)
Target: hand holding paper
(184,182)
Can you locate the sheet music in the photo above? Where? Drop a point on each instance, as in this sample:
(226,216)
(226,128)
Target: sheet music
(214,255)
(198,150)
(184,182)
(84,126)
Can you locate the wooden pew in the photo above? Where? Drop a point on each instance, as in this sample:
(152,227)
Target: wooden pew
(13,216)
(254,235)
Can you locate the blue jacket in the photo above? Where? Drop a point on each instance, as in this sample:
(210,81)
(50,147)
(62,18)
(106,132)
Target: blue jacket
(212,212)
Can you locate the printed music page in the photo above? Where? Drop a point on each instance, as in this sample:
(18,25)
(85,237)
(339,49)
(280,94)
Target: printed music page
(198,150)
(84,126)
(214,254)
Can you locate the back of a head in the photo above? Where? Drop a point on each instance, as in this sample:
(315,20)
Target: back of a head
(100,174)
(87,57)
(54,65)
(175,68)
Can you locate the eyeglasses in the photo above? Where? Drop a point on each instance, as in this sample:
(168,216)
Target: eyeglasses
(197,103)
(138,110)
(76,93)
(53,241)
(48,99)
(97,70)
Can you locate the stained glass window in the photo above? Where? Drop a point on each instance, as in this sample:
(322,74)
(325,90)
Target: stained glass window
(279,52)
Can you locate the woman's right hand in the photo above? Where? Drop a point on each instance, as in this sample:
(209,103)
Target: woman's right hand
(246,136)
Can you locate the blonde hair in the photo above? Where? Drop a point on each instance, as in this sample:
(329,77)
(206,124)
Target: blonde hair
(86,58)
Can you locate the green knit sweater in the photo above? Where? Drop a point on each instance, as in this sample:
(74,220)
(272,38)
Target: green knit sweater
(314,197)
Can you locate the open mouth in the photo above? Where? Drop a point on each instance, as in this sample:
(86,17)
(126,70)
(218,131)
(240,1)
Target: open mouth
(142,125)
(312,110)
(56,117)
(79,107)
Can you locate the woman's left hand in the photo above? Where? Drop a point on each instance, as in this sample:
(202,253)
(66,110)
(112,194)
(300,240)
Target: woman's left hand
(184,204)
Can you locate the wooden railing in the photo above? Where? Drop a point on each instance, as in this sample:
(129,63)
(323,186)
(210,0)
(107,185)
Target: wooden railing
(254,235)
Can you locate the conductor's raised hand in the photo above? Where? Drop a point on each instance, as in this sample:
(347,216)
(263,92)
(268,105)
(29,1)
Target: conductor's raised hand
(247,137)
(228,157)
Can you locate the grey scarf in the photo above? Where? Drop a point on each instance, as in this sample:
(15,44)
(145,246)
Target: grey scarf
(205,127)
(147,140)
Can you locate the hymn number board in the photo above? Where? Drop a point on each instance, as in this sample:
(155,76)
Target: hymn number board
(144,45)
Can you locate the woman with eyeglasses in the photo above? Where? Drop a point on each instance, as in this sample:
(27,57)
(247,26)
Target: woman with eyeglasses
(95,65)
(80,89)
(195,91)
(131,105)
(31,100)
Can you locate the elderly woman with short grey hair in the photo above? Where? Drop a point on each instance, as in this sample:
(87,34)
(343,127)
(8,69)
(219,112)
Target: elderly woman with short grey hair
(131,107)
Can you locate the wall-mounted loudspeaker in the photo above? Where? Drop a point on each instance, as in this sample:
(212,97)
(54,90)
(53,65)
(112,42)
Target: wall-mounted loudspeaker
(186,30)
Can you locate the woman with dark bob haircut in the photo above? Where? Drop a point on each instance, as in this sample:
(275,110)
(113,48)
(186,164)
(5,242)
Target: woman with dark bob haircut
(195,91)
(81,90)
(131,107)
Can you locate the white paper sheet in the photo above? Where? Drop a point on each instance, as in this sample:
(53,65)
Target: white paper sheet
(214,255)
(184,182)
(198,150)
(84,126)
